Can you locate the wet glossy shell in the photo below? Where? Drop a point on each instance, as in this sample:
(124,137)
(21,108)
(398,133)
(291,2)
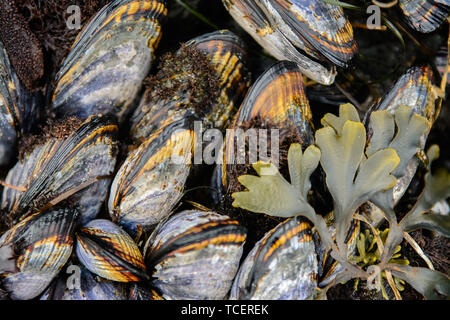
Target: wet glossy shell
(43,244)
(276,101)
(227,56)
(195,255)
(294,30)
(108,251)
(282,266)
(414,89)
(109,59)
(18,109)
(140,292)
(151,180)
(425,15)
(330,267)
(89,287)
(82,162)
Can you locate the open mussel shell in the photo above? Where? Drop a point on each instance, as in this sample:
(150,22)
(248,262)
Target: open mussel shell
(276,102)
(151,180)
(81,284)
(425,15)
(42,245)
(109,59)
(195,255)
(78,167)
(282,265)
(225,61)
(108,251)
(19,109)
(314,34)
(413,89)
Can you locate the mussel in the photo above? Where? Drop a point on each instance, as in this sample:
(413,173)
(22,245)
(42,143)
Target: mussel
(108,251)
(208,76)
(282,265)
(276,101)
(413,89)
(42,245)
(150,182)
(86,286)
(329,268)
(77,167)
(109,59)
(195,255)
(313,33)
(425,15)
(19,109)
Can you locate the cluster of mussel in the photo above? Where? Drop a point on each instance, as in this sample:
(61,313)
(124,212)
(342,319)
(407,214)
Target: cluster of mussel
(58,241)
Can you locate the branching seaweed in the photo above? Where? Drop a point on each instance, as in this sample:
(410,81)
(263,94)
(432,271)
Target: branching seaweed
(358,171)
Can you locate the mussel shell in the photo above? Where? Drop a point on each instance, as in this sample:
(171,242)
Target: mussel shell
(19,109)
(195,255)
(151,180)
(425,15)
(143,293)
(108,251)
(413,89)
(43,245)
(275,101)
(227,56)
(281,266)
(61,165)
(329,267)
(109,59)
(300,31)
(90,288)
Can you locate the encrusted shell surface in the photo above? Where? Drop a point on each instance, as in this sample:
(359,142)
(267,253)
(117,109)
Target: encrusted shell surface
(281,266)
(42,244)
(59,167)
(195,255)
(151,180)
(108,251)
(226,55)
(19,109)
(276,101)
(109,59)
(299,31)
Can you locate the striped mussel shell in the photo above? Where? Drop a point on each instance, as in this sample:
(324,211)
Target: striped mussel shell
(314,34)
(276,101)
(42,245)
(281,266)
(195,255)
(413,89)
(328,267)
(109,252)
(108,61)
(225,54)
(80,284)
(425,15)
(151,180)
(19,109)
(77,167)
